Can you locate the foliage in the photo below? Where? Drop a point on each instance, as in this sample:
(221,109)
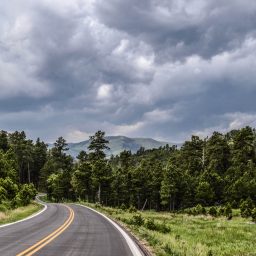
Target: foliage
(191,235)
(213,211)
(218,170)
(199,209)
(246,207)
(137,220)
(11,215)
(253,214)
(228,211)
(26,193)
(130,209)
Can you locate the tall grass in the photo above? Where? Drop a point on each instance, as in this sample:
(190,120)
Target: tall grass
(182,234)
(19,213)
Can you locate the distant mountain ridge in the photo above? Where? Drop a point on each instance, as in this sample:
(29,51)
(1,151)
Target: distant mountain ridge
(118,144)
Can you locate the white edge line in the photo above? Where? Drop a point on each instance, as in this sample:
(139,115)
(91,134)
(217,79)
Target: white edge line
(132,245)
(28,218)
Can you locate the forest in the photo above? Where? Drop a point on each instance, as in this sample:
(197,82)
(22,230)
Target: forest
(214,171)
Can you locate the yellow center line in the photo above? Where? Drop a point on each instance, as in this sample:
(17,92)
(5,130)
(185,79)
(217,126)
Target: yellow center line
(40,244)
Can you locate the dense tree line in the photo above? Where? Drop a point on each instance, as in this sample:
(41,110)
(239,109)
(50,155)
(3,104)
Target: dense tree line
(217,170)
(212,171)
(21,161)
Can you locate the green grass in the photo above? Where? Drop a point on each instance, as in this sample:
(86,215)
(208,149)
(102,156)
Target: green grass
(191,235)
(19,213)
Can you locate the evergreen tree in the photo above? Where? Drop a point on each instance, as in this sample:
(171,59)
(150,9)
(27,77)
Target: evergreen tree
(101,170)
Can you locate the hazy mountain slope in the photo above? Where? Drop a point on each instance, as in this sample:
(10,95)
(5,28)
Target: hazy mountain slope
(119,143)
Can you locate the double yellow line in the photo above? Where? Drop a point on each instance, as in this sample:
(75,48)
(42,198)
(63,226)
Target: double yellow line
(39,245)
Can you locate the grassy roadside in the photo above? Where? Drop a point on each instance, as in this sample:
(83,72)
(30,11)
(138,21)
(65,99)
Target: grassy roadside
(182,234)
(19,213)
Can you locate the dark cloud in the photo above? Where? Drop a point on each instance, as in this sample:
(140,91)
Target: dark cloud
(162,69)
(181,28)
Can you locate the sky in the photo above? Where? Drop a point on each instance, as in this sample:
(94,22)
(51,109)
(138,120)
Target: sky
(164,69)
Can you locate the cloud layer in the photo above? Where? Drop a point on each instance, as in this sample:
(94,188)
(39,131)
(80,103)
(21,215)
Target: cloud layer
(161,69)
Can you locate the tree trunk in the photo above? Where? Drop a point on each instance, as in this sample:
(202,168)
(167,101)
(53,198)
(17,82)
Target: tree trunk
(28,174)
(99,193)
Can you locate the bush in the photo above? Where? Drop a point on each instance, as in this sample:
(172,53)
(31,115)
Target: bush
(221,211)
(25,195)
(10,187)
(246,208)
(98,205)
(163,228)
(228,211)
(132,209)
(123,207)
(246,213)
(150,224)
(3,194)
(7,205)
(234,204)
(199,209)
(213,211)
(3,208)
(188,211)
(160,227)
(253,214)
(137,220)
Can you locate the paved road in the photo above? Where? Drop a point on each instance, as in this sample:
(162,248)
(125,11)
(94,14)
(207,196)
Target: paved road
(64,230)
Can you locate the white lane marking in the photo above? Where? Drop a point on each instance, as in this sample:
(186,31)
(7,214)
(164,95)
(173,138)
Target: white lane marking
(28,218)
(132,245)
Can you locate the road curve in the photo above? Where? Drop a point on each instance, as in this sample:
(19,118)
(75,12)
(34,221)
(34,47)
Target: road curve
(64,230)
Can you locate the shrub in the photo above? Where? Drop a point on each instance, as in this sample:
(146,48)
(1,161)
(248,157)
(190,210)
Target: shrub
(137,220)
(246,213)
(234,204)
(8,204)
(221,211)
(160,227)
(123,207)
(246,208)
(163,228)
(3,208)
(98,205)
(253,214)
(3,194)
(10,187)
(228,211)
(213,211)
(25,195)
(204,211)
(199,209)
(132,209)
(188,211)
(150,224)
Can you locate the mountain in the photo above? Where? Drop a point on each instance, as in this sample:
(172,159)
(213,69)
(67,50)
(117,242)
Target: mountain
(117,144)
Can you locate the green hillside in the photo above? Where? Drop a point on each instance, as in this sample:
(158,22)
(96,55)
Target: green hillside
(119,143)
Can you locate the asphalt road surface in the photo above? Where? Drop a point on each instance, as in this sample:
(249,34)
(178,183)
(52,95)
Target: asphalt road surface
(65,230)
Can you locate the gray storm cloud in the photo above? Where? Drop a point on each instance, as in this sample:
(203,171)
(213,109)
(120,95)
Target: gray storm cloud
(161,69)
